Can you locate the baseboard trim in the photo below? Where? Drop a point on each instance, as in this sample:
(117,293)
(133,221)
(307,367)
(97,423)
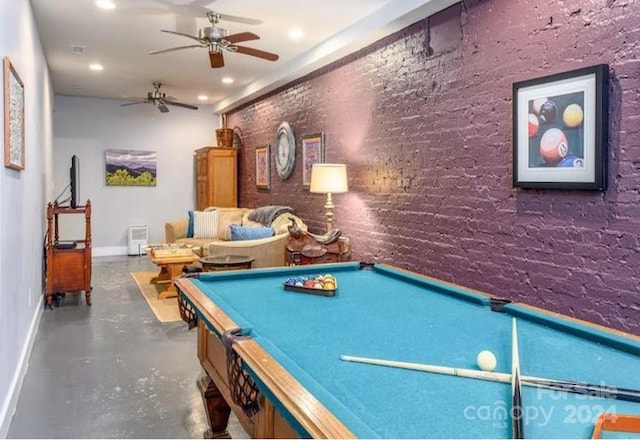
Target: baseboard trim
(109,251)
(11,401)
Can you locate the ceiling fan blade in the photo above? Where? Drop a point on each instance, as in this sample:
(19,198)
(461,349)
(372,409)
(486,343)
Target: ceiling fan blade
(171,49)
(180,104)
(134,103)
(216,59)
(237,19)
(241,37)
(193,37)
(257,53)
(163,108)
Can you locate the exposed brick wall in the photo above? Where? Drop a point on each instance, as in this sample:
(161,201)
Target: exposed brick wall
(423,121)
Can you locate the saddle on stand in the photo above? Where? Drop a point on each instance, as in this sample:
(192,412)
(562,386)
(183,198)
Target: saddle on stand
(306,248)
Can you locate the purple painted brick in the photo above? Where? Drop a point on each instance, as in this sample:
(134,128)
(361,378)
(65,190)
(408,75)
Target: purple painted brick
(423,120)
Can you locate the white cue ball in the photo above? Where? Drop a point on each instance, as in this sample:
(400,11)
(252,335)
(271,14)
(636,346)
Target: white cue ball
(486,360)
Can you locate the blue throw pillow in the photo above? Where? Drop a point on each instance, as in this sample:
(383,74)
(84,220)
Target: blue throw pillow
(249,232)
(190,227)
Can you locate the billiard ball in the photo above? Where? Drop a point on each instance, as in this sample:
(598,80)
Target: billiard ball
(486,360)
(533,125)
(548,112)
(537,103)
(553,146)
(572,162)
(572,115)
(329,285)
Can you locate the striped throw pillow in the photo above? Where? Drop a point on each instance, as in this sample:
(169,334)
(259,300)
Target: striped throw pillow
(205,224)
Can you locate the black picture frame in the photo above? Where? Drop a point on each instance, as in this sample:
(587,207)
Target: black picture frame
(560,130)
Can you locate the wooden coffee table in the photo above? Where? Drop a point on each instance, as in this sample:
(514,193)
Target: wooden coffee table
(171,262)
(226,262)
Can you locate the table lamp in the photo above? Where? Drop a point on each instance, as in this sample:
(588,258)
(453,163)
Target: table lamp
(329,178)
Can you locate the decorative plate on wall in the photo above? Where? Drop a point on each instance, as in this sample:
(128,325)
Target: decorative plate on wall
(285,150)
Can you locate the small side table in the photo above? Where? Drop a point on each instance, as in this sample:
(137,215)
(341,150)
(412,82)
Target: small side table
(226,262)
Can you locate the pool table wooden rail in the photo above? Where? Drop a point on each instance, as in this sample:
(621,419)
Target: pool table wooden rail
(313,416)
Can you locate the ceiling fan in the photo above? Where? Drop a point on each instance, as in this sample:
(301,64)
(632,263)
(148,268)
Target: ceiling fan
(216,39)
(160,100)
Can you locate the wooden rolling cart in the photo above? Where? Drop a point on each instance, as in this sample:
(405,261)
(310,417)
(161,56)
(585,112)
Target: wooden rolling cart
(68,261)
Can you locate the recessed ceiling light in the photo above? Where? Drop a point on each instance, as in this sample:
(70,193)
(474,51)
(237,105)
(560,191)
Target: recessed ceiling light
(296,33)
(105,4)
(96,66)
(203,97)
(227,80)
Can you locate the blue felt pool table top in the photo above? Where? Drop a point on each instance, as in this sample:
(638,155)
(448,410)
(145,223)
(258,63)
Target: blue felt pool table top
(384,312)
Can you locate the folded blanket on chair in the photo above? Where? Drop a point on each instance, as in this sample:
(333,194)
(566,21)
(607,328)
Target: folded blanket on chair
(267,214)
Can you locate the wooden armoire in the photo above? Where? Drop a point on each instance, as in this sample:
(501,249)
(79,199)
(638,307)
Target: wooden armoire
(216,177)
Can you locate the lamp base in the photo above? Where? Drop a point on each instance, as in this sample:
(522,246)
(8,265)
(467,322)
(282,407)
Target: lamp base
(329,214)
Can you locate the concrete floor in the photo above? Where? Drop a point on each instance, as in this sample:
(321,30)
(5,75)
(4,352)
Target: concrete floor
(112,370)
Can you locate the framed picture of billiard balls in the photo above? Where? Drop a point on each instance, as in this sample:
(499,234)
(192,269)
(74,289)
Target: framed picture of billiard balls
(312,152)
(263,167)
(560,130)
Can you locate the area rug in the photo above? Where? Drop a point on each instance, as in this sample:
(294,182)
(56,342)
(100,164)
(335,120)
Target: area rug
(166,310)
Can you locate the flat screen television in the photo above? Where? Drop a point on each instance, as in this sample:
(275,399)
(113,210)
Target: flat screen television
(74,182)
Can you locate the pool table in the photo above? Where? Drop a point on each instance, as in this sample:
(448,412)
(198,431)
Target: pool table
(293,342)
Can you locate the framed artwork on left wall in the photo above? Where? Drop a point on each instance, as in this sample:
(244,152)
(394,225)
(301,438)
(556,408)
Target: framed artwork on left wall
(13,117)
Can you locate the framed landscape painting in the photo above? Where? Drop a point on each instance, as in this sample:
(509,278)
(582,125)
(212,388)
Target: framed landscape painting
(312,152)
(560,130)
(263,167)
(130,168)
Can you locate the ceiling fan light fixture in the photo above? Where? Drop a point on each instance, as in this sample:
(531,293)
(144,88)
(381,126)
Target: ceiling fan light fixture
(202,97)
(212,33)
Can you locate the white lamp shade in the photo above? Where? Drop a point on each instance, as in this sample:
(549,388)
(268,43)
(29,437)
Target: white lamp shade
(329,178)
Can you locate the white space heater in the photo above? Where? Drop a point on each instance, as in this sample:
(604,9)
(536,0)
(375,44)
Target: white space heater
(138,239)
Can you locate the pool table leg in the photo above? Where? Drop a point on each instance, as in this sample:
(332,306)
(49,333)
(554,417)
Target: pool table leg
(216,408)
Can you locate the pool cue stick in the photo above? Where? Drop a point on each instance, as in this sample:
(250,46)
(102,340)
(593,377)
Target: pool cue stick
(607,392)
(517,419)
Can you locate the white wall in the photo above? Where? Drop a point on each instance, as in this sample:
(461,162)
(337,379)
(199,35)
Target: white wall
(23,196)
(88,126)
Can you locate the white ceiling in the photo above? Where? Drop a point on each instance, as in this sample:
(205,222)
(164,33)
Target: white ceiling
(121,39)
